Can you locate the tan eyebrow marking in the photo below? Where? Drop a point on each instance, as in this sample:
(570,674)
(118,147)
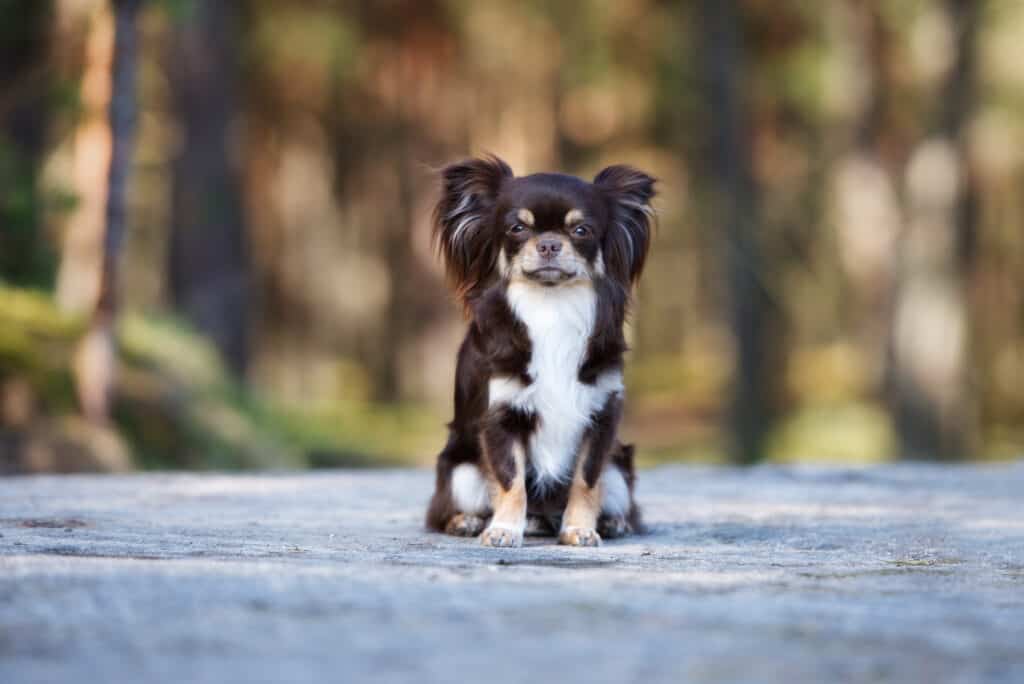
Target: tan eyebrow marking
(526,216)
(573,216)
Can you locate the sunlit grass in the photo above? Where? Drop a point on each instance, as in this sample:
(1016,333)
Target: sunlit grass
(246,428)
(360,433)
(838,432)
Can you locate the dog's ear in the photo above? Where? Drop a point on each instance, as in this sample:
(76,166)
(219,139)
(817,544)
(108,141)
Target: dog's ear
(461,221)
(629,192)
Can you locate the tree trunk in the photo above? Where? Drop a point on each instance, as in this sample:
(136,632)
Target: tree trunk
(397,323)
(865,183)
(95,360)
(735,204)
(25,256)
(209,265)
(81,257)
(928,354)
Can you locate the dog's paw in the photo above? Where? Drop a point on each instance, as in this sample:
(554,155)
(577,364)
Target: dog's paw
(579,536)
(613,527)
(501,537)
(465,525)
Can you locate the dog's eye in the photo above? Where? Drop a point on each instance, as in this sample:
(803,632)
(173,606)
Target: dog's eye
(581,231)
(516,229)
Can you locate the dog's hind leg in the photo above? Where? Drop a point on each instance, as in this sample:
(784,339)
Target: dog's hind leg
(459,503)
(619,513)
(616,501)
(471,500)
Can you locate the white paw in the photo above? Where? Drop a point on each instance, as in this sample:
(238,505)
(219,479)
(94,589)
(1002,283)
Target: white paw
(579,536)
(501,537)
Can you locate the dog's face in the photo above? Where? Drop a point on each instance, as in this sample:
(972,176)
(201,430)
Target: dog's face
(548,229)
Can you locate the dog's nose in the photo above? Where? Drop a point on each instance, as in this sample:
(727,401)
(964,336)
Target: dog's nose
(549,247)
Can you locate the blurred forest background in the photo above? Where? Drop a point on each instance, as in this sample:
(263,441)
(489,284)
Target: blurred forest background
(214,221)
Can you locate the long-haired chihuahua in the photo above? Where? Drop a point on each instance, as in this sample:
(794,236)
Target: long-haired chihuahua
(544,266)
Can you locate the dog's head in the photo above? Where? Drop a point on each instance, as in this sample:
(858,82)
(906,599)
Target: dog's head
(547,228)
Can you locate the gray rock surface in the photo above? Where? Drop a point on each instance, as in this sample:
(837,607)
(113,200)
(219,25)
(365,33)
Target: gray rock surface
(895,573)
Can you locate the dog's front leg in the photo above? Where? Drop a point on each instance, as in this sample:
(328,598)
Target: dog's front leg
(579,522)
(506,461)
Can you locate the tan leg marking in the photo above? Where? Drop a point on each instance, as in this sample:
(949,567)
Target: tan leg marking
(509,520)
(580,518)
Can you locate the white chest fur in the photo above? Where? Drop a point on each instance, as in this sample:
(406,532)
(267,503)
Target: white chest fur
(559,321)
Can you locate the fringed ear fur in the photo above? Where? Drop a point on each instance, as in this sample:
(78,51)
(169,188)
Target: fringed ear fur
(462,221)
(629,192)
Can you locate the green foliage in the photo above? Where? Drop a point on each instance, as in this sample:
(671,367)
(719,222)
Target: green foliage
(178,408)
(27,257)
(35,343)
(843,433)
(178,10)
(314,42)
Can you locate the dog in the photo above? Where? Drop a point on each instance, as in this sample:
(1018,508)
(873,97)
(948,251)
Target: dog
(544,266)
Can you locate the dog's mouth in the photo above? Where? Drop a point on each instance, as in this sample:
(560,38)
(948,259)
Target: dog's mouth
(549,275)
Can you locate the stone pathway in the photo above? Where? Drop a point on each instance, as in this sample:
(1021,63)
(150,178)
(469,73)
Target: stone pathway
(895,573)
